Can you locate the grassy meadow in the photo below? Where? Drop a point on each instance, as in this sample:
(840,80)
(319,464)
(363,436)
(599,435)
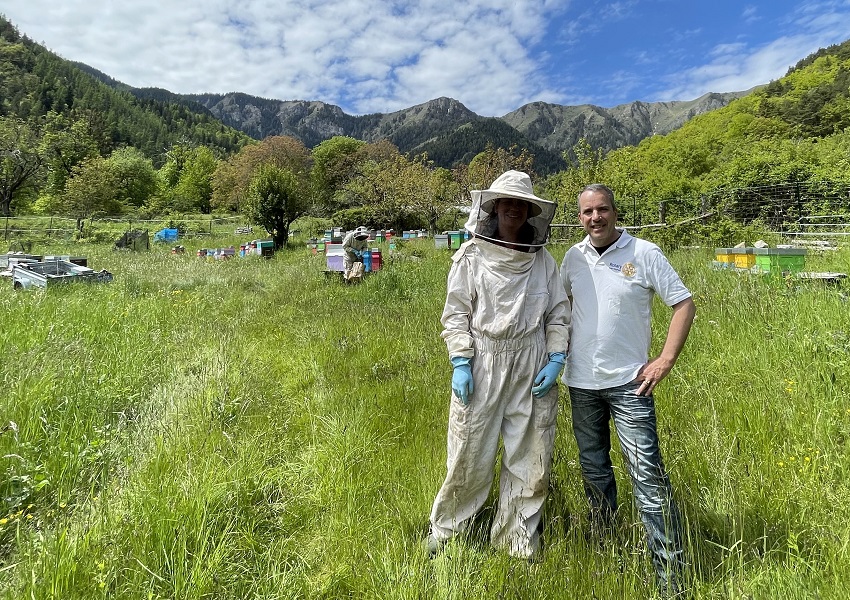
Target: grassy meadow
(254,429)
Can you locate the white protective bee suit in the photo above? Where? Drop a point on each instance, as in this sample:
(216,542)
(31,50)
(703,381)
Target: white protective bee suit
(354,244)
(507,309)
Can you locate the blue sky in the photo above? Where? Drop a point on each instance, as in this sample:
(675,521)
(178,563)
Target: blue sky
(492,55)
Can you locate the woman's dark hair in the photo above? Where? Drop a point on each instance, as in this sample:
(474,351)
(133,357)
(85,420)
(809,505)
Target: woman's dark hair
(490,228)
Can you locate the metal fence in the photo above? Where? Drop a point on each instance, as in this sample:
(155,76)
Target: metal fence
(793,210)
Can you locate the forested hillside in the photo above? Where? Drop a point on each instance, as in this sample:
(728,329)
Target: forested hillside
(793,131)
(36,82)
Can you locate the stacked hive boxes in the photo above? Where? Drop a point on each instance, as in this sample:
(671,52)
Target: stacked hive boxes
(744,258)
(779,260)
(723,258)
(761,260)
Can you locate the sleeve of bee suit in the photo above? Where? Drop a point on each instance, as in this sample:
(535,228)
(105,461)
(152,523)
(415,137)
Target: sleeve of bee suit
(460,303)
(347,242)
(557,313)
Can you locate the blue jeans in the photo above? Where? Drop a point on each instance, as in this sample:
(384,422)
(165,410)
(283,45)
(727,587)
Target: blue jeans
(634,421)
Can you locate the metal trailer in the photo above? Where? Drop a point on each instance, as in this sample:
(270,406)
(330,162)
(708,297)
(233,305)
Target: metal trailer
(52,272)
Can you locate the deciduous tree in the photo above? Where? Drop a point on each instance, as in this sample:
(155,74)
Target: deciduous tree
(275,198)
(92,189)
(232,177)
(135,177)
(20,161)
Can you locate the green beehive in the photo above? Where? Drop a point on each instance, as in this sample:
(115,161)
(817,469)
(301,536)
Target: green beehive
(779,260)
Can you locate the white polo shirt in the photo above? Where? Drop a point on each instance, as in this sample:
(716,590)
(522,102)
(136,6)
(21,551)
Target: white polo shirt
(611,308)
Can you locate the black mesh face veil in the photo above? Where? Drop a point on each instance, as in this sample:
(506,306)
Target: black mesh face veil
(483,223)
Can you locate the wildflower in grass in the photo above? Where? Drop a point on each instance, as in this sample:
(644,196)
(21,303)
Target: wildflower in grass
(3,521)
(780,464)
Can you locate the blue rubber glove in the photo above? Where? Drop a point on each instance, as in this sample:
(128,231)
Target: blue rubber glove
(548,375)
(462,385)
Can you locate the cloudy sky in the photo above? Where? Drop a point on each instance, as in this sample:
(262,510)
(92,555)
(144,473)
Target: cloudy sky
(492,55)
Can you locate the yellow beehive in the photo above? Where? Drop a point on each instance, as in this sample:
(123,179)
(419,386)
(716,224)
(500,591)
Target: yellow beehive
(724,257)
(744,258)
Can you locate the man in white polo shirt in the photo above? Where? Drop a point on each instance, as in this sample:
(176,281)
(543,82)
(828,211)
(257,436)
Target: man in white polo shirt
(611,278)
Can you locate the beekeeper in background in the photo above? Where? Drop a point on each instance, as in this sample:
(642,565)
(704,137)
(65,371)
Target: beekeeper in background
(506,320)
(354,247)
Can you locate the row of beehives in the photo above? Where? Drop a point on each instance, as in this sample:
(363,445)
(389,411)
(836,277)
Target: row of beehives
(761,260)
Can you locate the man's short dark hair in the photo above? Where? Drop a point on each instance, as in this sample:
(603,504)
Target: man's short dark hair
(599,187)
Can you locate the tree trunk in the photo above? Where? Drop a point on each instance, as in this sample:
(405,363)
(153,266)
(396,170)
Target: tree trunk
(6,205)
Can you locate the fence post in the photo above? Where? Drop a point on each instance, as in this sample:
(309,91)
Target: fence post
(6,235)
(662,212)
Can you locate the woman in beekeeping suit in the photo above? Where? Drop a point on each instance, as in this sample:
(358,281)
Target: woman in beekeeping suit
(506,322)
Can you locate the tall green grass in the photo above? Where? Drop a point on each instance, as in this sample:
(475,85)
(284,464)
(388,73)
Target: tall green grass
(254,428)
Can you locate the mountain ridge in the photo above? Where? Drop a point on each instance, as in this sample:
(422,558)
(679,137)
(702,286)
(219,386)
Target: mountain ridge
(547,130)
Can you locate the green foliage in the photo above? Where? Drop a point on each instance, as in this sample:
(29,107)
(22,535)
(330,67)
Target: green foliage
(311,226)
(93,189)
(334,164)
(793,131)
(719,232)
(136,178)
(350,218)
(232,177)
(275,198)
(194,187)
(20,162)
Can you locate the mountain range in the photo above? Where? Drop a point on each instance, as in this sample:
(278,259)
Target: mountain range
(444,128)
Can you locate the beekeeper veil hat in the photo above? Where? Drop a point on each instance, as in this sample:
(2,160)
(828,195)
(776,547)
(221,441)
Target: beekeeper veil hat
(511,184)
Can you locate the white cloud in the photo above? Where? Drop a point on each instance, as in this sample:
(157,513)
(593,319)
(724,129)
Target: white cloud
(384,55)
(365,55)
(750,14)
(738,66)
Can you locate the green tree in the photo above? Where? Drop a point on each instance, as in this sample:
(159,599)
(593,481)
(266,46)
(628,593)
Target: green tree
(175,161)
(486,166)
(565,186)
(276,197)
(194,190)
(135,176)
(64,145)
(335,163)
(20,162)
(91,190)
(232,178)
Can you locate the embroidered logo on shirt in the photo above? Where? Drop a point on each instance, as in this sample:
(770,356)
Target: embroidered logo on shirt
(615,267)
(629,270)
